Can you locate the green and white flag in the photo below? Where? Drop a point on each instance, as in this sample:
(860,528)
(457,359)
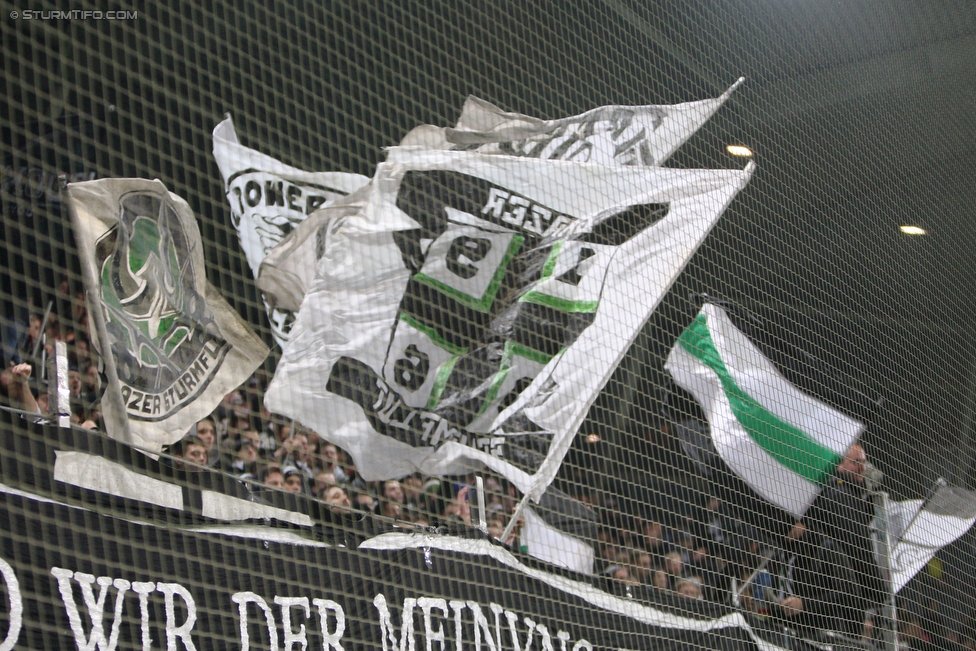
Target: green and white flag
(783,443)
(172,346)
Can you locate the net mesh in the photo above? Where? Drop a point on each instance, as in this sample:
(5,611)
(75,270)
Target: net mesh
(859,117)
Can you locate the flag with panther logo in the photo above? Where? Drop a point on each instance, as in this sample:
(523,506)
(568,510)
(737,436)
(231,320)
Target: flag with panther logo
(171,345)
(470,311)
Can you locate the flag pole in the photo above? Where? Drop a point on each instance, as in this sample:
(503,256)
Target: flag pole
(891,583)
(47,315)
(515,516)
(479,484)
(939,483)
(59,396)
(768,556)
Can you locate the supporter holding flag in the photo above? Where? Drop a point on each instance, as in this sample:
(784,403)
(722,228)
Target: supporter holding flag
(772,448)
(780,442)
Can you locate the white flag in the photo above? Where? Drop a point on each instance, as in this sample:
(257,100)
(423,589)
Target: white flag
(609,135)
(171,344)
(472,311)
(547,543)
(939,521)
(268,199)
(783,443)
(287,271)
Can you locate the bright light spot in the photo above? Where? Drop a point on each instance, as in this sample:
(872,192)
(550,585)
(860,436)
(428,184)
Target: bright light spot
(739,150)
(912,230)
(592,438)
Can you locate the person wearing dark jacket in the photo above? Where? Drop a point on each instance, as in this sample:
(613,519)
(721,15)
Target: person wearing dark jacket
(808,589)
(842,515)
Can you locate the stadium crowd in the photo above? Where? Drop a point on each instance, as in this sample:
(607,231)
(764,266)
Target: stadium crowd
(805,582)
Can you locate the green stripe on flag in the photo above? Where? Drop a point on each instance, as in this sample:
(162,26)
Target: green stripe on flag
(482,303)
(789,445)
(561,304)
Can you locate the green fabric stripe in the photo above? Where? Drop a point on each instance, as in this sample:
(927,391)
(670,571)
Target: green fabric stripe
(789,445)
(482,304)
(512,349)
(443,374)
(496,384)
(550,264)
(561,304)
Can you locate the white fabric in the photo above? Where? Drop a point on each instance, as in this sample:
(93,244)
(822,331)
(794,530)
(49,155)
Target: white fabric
(158,415)
(553,546)
(263,219)
(233,509)
(289,268)
(914,548)
(760,379)
(99,474)
(351,306)
(609,135)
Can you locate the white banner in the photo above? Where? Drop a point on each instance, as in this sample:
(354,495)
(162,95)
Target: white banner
(268,199)
(470,313)
(287,271)
(608,135)
(916,535)
(172,345)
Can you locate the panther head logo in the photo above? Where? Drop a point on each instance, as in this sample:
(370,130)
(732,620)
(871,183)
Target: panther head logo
(157,317)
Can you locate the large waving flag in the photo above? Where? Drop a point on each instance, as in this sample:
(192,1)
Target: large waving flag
(470,313)
(171,344)
(920,528)
(609,135)
(268,199)
(783,443)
